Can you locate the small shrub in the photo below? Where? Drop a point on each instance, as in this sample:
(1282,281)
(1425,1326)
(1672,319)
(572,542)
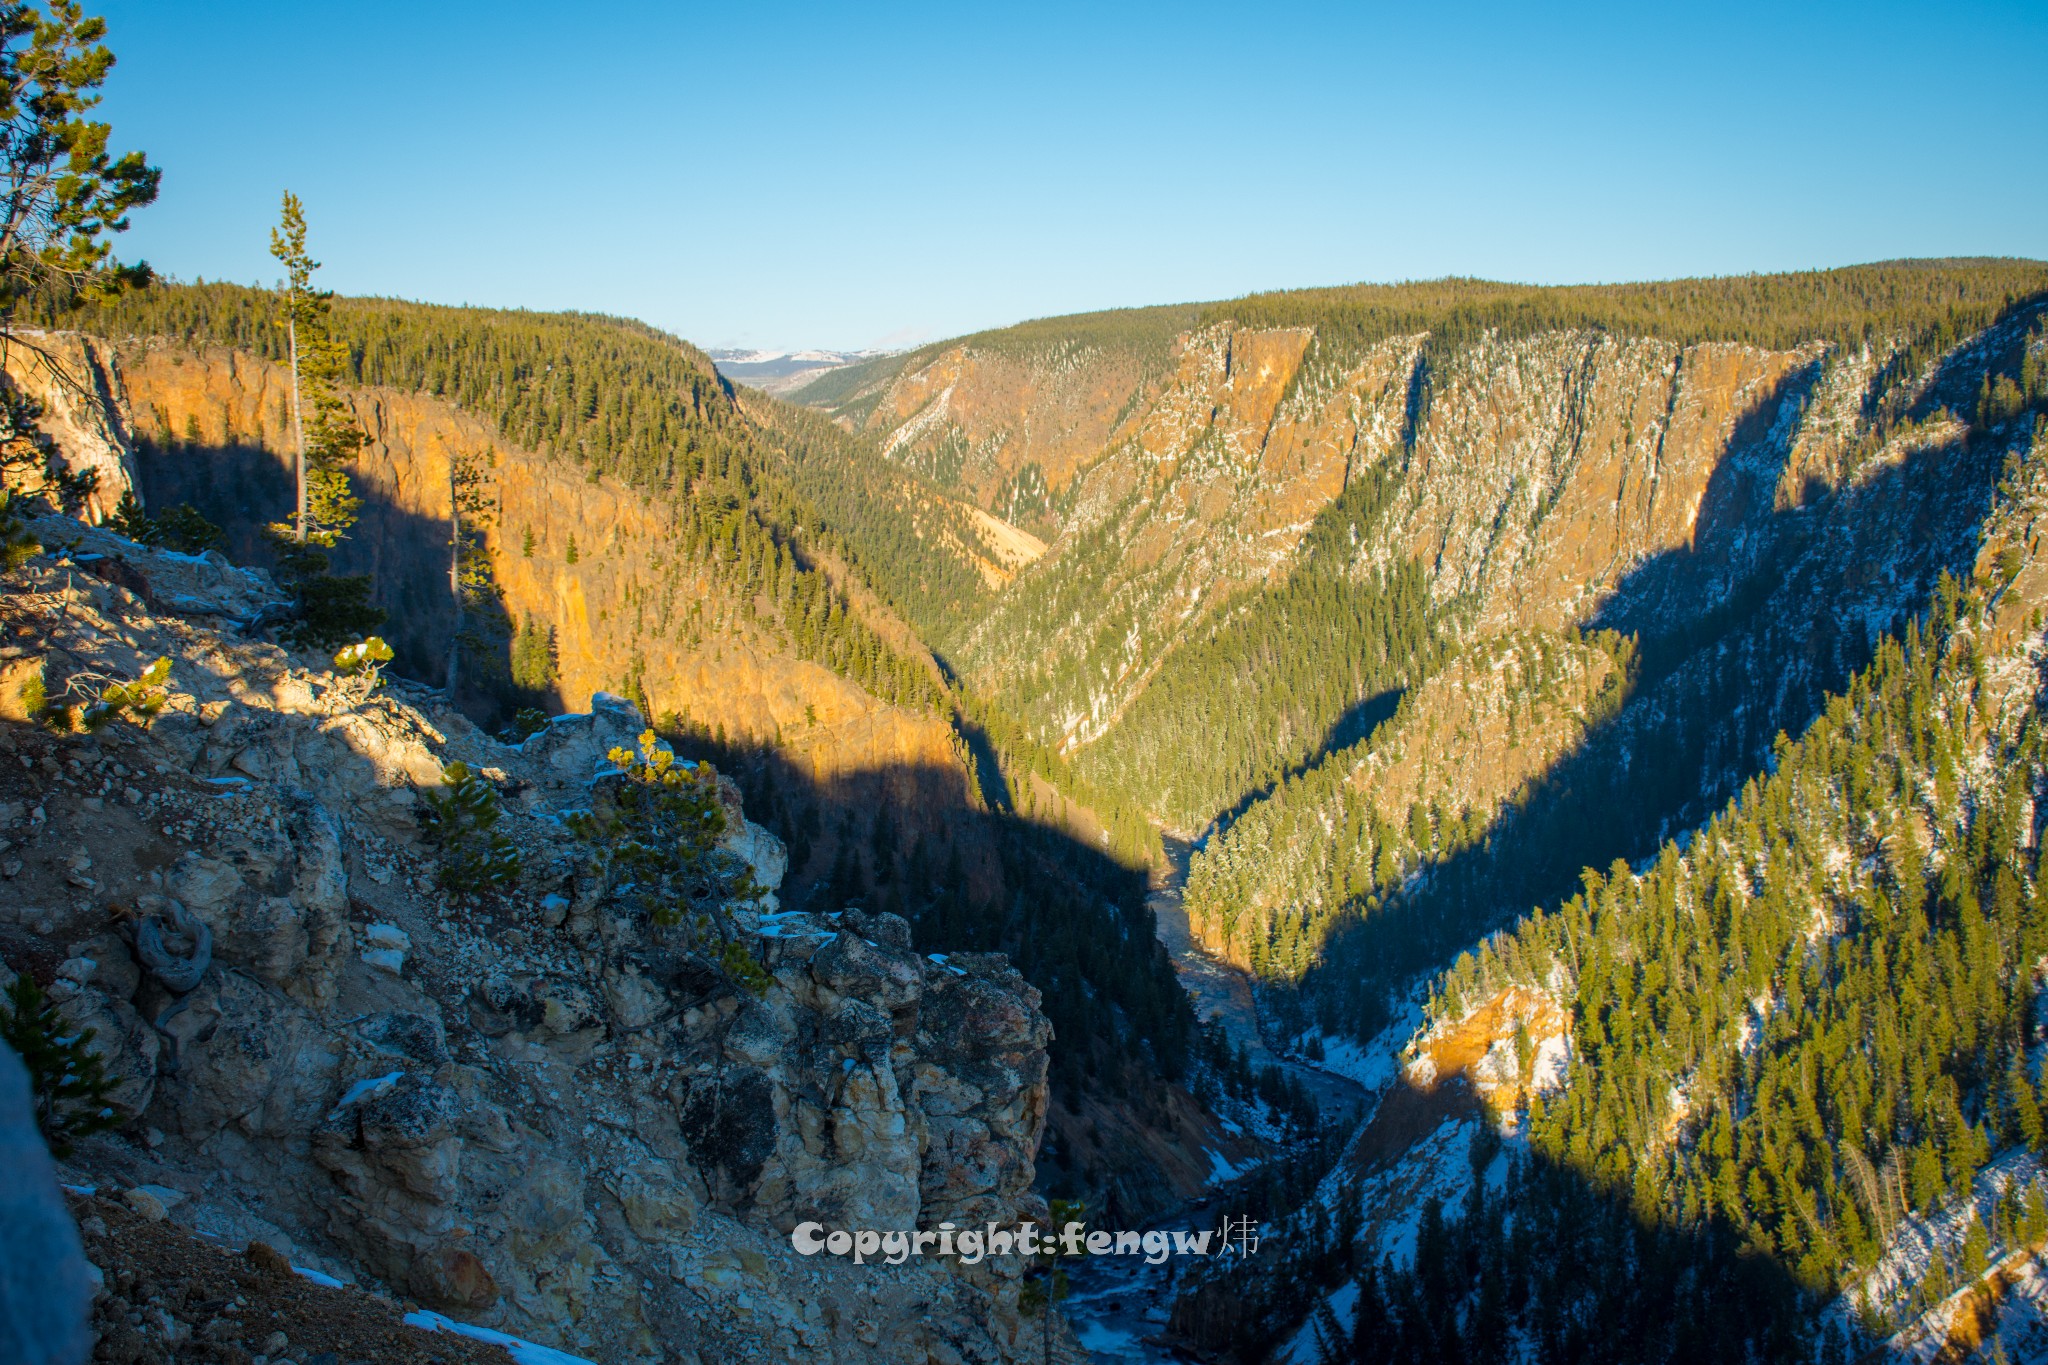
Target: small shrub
(34,695)
(745,969)
(460,821)
(362,666)
(332,609)
(181,528)
(654,836)
(363,659)
(140,700)
(68,1080)
(17,546)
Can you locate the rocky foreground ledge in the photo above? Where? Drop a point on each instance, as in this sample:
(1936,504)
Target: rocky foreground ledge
(525,1110)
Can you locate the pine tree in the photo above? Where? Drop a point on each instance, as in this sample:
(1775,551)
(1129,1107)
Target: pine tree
(66,192)
(460,820)
(17,545)
(325,437)
(472,588)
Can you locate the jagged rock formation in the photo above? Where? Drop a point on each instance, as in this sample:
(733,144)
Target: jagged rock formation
(533,1109)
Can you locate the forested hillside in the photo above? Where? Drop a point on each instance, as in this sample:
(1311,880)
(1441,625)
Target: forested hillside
(1421,602)
(1789,1039)
(1277,680)
(1430,783)
(1189,479)
(601,396)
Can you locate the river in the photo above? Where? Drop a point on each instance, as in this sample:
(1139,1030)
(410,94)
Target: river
(1119,1304)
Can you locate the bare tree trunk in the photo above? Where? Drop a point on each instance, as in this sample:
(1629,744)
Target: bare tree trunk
(298,426)
(454,574)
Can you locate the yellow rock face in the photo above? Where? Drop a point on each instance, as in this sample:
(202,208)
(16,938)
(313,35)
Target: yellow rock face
(625,606)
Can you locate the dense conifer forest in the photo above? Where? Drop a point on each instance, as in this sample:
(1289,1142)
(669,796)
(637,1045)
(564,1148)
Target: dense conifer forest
(1274,683)
(1806,1026)
(1937,303)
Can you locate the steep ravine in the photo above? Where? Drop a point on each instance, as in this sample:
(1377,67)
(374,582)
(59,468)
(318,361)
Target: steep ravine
(1120,1306)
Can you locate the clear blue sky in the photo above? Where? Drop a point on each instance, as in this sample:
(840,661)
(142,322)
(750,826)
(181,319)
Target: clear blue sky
(842,175)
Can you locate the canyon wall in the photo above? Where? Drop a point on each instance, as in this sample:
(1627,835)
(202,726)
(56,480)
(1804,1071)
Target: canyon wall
(215,423)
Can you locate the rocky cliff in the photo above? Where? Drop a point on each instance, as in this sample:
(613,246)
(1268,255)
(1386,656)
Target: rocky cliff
(623,611)
(1542,478)
(532,1109)
(76,382)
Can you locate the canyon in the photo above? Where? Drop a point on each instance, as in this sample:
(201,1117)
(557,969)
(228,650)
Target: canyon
(1394,632)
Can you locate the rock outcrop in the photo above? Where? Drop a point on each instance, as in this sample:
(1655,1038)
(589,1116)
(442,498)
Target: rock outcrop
(533,1109)
(77,381)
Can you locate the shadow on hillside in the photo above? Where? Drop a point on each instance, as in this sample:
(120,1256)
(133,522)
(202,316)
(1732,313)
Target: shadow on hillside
(1578,1274)
(1357,722)
(988,768)
(1584,1275)
(243,488)
(1780,607)
(1075,921)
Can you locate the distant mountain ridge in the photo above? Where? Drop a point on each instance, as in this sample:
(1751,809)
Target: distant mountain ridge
(783,372)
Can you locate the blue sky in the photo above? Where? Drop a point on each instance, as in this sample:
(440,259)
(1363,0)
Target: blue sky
(848,175)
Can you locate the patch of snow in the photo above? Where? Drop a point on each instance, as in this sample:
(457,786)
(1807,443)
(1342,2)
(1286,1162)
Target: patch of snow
(386,936)
(1222,1169)
(365,1089)
(1374,1064)
(390,960)
(523,1352)
(1552,1062)
(318,1277)
(1301,1348)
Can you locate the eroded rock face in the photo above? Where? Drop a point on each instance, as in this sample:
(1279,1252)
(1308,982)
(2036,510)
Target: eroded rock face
(546,1113)
(79,383)
(127,1046)
(201,587)
(276,898)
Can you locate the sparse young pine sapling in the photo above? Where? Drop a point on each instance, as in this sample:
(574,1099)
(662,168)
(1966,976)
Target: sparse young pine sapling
(460,821)
(181,527)
(654,836)
(17,545)
(362,664)
(140,700)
